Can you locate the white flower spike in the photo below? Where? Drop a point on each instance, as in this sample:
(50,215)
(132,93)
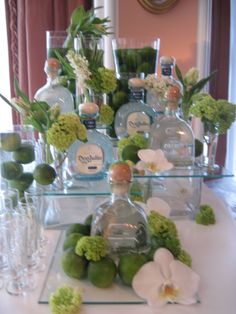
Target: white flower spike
(153,161)
(166,280)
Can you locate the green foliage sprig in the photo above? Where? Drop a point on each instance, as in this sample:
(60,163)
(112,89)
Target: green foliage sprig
(87,23)
(191,87)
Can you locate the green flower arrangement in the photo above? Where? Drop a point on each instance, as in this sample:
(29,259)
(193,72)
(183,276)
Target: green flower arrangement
(218,113)
(136,139)
(65,300)
(65,131)
(191,87)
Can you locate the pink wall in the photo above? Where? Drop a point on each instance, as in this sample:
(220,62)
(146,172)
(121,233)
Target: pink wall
(177,28)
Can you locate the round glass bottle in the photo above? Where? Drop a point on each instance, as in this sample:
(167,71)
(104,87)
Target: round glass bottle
(52,92)
(90,160)
(119,220)
(135,116)
(173,135)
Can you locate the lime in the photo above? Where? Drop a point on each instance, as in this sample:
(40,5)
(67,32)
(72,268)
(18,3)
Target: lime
(71,240)
(24,154)
(73,265)
(11,170)
(198,147)
(102,273)
(128,266)
(10,141)
(78,228)
(23,182)
(44,174)
(130,152)
(118,99)
(88,220)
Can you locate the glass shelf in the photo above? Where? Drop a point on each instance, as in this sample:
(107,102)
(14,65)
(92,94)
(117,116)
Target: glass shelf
(101,187)
(116,294)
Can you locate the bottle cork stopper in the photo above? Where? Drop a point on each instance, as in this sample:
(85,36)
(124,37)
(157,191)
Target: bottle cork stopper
(136,82)
(167,60)
(52,65)
(120,172)
(89,109)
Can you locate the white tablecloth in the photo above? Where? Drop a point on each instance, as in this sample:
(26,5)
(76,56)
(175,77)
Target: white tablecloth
(213,250)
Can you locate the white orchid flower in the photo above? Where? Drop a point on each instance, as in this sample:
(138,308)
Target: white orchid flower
(166,280)
(153,161)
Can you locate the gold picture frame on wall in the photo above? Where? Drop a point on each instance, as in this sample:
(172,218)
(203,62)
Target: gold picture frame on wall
(157,6)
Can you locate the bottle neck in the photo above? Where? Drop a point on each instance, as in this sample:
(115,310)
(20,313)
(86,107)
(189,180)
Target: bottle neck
(90,124)
(120,191)
(166,70)
(136,95)
(52,79)
(172,109)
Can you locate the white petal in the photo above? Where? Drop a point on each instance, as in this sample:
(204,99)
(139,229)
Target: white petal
(140,165)
(165,165)
(186,280)
(147,155)
(158,205)
(147,281)
(159,155)
(164,257)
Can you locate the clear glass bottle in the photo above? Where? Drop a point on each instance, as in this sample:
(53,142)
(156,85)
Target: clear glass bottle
(135,116)
(174,136)
(52,92)
(122,222)
(90,160)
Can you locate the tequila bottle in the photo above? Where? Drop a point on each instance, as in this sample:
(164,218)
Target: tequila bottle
(90,160)
(52,92)
(122,222)
(174,136)
(135,116)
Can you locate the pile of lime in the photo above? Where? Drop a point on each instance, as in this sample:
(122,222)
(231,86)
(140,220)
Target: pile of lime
(18,153)
(101,273)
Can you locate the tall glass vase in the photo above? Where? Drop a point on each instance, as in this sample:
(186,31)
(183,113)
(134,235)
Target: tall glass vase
(210,141)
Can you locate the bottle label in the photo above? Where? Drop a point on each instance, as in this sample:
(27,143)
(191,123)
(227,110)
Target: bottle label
(89,159)
(166,71)
(138,122)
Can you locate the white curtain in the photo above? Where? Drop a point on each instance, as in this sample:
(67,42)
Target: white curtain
(231,137)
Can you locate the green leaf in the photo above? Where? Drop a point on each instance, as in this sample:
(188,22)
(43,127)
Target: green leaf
(179,74)
(199,86)
(20,93)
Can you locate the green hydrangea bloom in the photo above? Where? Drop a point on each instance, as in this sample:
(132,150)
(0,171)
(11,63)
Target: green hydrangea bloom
(65,130)
(108,80)
(92,247)
(219,113)
(160,224)
(65,300)
(185,258)
(106,114)
(139,140)
(163,234)
(103,81)
(206,215)
(135,139)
